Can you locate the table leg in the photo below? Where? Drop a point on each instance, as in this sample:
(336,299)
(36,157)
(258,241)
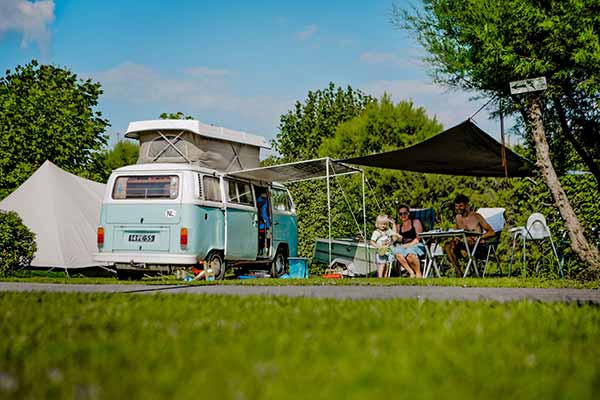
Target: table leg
(433,262)
(471,256)
(428,259)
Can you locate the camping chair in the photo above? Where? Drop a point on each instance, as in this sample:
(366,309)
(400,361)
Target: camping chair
(427,218)
(537,231)
(494,217)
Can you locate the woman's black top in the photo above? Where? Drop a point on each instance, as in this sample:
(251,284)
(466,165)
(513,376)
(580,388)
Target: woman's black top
(410,234)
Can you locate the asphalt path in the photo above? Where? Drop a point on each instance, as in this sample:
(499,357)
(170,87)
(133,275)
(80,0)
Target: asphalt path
(436,293)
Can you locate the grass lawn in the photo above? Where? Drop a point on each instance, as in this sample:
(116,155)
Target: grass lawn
(90,346)
(60,277)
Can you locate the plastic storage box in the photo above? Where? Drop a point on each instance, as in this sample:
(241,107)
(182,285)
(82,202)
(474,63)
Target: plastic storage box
(298,267)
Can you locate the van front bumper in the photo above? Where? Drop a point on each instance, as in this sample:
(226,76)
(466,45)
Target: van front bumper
(146,258)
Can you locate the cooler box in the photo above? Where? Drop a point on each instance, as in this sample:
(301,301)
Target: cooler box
(298,267)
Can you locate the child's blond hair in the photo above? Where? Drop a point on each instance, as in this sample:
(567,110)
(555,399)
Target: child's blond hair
(382,219)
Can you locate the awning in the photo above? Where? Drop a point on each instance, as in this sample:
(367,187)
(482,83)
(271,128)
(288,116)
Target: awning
(461,150)
(296,171)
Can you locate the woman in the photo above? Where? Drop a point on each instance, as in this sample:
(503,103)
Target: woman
(411,248)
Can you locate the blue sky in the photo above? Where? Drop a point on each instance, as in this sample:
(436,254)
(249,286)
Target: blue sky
(236,64)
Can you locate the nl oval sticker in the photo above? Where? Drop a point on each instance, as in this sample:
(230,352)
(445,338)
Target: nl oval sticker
(170,213)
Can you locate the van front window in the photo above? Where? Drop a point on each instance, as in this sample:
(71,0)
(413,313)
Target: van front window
(146,187)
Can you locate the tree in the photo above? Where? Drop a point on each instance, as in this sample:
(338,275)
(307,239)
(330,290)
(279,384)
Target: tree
(47,113)
(124,153)
(478,46)
(481,45)
(382,126)
(301,133)
(17,243)
(177,115)
(302,129)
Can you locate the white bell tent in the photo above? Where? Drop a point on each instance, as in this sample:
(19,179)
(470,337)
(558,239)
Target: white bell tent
(63,211)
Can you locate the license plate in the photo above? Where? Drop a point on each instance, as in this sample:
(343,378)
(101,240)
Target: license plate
(141,238)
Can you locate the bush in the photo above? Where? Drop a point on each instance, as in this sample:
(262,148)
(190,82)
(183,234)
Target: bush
(17,243)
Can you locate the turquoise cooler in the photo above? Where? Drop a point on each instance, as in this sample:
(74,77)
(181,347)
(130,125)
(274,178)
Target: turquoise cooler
(298,267)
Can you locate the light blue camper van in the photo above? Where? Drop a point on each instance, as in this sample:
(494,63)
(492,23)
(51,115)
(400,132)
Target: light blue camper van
(162,214)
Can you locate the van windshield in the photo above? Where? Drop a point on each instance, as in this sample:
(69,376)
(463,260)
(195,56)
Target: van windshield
(146,187)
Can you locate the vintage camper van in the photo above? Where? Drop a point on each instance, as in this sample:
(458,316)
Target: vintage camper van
(180,206)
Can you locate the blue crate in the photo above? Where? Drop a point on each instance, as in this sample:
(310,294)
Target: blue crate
(298,267)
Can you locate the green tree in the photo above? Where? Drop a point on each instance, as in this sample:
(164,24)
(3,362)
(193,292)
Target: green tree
(302,129)
(382,126)
(122,154)
(17,243)
(177,115)
(47,113)
(481,45)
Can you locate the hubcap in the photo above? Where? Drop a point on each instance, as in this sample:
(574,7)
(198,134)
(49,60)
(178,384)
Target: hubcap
(215,265)
(279,264)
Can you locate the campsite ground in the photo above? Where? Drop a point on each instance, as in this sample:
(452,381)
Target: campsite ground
(80,345)
(106,345)
(509,282)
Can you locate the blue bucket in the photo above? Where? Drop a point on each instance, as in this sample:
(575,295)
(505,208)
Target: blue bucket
(298,267)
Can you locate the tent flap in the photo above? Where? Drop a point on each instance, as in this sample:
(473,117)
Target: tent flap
(461,150)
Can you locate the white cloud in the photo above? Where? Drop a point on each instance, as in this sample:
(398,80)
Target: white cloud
(30,19)
(204,91)
(450,107)
(308,31)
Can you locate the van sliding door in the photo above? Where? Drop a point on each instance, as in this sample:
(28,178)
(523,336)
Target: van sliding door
(242,222)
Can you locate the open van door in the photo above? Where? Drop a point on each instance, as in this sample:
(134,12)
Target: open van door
(285,226)
(241,241)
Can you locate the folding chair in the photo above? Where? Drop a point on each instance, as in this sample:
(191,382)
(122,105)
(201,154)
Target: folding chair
(427,218)
(494,217)
(536,230)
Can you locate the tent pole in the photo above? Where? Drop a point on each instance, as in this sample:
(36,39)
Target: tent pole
(362,174)
(328,207)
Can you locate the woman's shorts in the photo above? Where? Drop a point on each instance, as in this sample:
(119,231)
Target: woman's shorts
(387,258)
(416,249)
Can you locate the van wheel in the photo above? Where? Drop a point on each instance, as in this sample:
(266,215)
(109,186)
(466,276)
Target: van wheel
(215,261)
(280,263)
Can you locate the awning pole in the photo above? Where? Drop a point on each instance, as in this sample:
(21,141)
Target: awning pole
(362,173)
(328,207)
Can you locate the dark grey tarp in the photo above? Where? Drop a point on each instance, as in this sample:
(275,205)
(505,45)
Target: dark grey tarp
(461,150)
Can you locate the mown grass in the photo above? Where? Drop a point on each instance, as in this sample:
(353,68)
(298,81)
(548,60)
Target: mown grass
(90,346)
(512,282)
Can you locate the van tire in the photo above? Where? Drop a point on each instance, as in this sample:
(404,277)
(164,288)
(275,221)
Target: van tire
(280,265)
(215,260)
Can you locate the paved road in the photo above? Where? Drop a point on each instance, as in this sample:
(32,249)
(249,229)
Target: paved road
(438,293)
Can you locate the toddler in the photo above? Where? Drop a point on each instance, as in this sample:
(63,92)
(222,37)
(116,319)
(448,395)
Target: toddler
(382,239)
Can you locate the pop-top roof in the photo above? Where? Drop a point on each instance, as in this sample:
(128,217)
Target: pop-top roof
(197,127)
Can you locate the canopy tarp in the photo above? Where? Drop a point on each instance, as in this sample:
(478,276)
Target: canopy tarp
(63,211)
(464,149)
(296,171)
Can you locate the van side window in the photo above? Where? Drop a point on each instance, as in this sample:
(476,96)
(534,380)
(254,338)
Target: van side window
(281,200)
(211,188)
(240,193)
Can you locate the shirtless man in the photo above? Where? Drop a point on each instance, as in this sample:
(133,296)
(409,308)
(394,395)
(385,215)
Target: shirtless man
(470,221)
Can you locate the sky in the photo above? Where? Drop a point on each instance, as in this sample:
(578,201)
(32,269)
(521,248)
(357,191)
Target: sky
(236,64)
